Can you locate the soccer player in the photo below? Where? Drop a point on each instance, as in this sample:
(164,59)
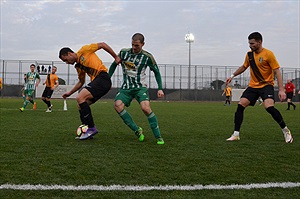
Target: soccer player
(227,92)
(135,60)
(0,85)
(263,65)
(290,91)
(32,81)
(87,62)
(51,84)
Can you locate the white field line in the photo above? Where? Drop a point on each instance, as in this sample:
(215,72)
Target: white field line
(149,188)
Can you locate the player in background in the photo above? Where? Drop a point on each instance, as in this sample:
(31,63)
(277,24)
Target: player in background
(23,88)
(87,62)
(290,91)
(227,92)
(135,60)
(1,85)
(32,81)
(263,65)
(51,84)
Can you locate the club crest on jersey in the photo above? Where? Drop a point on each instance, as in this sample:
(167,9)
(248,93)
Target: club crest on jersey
(261,60)
(82,58)
(129,65)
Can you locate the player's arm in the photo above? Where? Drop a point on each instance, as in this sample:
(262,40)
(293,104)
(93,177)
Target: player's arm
(294,91)
(240,70)
(109,50)
(77,86)
(38,80)
(112,69)
(56,84)
(156,72)
(281,93)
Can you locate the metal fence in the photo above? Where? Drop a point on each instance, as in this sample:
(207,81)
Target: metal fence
(174,77)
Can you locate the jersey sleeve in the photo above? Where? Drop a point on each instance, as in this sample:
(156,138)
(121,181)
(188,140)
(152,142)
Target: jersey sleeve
(273,61)
(153,67)
(246,63)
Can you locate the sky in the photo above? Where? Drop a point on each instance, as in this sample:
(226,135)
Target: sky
(37,30)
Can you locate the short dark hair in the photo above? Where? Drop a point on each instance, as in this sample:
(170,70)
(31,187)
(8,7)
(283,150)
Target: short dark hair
(138,36)
(255,35)
(32,65)
(64,51)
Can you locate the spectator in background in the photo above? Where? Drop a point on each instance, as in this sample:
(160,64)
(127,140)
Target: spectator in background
(290,91)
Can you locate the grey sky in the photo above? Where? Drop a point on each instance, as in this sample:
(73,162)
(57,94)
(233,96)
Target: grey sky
(37,30)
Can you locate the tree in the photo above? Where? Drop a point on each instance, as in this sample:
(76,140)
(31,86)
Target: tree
(61,81)
(217,84)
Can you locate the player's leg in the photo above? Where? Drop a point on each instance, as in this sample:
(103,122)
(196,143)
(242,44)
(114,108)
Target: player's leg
(269,106)
(26,101)
(289,103)
(248,97)
(89,95)
(86,113)
(122,99)
(143,99)
(294,106)
(47,99)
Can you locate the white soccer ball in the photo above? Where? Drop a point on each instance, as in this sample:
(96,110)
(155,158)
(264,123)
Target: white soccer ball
(81,129)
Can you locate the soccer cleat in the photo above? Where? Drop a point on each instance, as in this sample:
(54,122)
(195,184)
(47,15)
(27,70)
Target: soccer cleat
(48,110)
(287,135)
(51,106)
(160,141)
(34,106)
(139,134)
(89,133)
(233,138)
(21,109)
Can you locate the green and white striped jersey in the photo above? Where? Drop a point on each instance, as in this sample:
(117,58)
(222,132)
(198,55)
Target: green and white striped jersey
(134,67)
(31,80)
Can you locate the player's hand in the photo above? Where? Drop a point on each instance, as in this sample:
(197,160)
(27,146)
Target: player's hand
(160,94)
(228,80)
(281,95)
(118,60)
(65,95)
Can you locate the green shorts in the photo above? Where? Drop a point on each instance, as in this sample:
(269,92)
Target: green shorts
(29,93)
(126,96)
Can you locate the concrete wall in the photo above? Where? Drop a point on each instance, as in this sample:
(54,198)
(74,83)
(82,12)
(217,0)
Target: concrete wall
(170,94)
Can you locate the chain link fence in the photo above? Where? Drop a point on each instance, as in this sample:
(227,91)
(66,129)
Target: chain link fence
(180,82)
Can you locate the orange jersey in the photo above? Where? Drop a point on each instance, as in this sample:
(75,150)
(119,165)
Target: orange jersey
(89,62)
(266,62)
(227,91)
(51,80)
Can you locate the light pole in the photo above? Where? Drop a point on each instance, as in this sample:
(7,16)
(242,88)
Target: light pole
(189,38)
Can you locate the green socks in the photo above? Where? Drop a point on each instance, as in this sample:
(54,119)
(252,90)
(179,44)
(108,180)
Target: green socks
(154,125)
(127,119)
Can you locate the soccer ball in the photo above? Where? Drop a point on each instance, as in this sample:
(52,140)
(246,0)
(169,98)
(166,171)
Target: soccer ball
(81,129)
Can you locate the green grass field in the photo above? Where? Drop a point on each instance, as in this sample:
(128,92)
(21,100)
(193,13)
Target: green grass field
(39,148)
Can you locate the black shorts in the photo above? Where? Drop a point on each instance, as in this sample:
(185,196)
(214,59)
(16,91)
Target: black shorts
(252,94)
(289,95)
(47,92)
(99,86)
